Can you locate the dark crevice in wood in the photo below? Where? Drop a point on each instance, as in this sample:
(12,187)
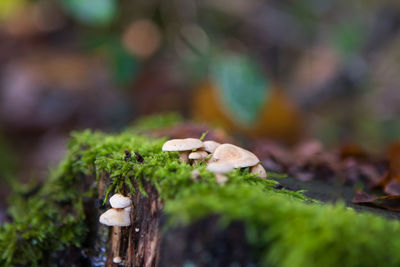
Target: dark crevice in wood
(206,243)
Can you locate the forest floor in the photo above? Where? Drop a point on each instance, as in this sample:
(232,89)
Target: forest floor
(332,193)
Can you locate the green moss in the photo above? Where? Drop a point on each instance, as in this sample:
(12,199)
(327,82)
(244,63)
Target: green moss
(44,222)
(291,233)
(287,228)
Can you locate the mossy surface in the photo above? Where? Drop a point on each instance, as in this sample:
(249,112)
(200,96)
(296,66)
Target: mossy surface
(286,232)
(286,228)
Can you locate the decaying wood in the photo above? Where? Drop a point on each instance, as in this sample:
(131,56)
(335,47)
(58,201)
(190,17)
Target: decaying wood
(138,244)
(145,244)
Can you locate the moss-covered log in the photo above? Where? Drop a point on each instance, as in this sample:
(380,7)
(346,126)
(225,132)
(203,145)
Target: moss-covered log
(180,219)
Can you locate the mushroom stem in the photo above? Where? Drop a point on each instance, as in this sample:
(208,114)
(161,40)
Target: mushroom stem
(221,178)
(184,156)
(196,161)
(116,241)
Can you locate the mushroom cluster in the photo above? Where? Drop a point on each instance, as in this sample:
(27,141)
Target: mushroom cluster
(118,216)
(221,158)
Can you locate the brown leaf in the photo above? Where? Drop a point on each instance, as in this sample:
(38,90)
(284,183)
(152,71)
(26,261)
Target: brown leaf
(362,197)
(392,188)
(268,150)
(394,161)
(352,151)
(393,174)
(385,202)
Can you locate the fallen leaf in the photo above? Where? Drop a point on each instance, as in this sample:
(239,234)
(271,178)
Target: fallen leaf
(362,197)
(393,174)
(392,188)
(353,151)
(385,202)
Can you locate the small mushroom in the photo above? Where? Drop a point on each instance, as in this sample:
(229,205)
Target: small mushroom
(220,168)
(196,174)
(116,217)
(239,157)
(197,156)
(259,170)
(117,260)
(210,146)
(120,201)
(184,146)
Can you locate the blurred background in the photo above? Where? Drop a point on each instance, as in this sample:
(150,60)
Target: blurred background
(268,70)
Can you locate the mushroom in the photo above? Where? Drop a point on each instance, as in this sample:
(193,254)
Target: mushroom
(220,168)
(197,156)
(239,157)
(117,260)
(196,174)
(116,217)
(184,146)
(259,170)
(119,201)
(211,146)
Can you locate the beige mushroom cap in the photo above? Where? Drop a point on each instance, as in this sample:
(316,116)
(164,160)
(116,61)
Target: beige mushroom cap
(182,144)
(116,217)
(119,201)
(259,170)
(211,146)
(198,155)
(117,260)
(239,157)
(220,167)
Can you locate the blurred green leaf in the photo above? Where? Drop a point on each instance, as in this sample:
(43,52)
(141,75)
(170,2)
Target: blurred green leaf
(242,85)
(93,12)
(349,37)
(124,66)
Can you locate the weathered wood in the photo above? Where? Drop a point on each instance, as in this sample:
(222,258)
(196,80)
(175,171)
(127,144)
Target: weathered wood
(145,244)
(138,244)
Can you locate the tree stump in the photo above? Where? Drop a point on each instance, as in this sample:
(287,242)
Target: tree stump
(144,243)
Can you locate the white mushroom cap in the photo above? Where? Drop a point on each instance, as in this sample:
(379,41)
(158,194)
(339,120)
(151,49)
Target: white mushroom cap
(210,146)
(182,144)
(198,155)
(117,260)
(116,217)
(119,201)
(259,170)
(220,167)
(239,157)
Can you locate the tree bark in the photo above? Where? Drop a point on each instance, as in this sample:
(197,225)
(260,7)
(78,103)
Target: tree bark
(137,244)
(145,243)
